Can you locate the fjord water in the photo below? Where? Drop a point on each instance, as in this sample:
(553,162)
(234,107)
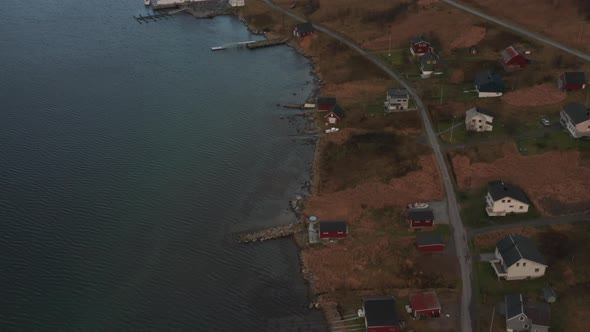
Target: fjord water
(130,156)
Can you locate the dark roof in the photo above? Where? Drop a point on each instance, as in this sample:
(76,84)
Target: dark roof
(427,239)
(489,81)
(577,112)
(397,92)
(513,247)
(421,214)
(429,56)
(326,101)
(380,311)
(419,39)
(538,312)
(332,226)
(514,305)
(305,27)
(500,189)
(575,77)
(484,111)
(336,109)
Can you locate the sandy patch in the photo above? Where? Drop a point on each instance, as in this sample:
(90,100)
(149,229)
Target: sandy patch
(538,95)
(554,180)
(469,37)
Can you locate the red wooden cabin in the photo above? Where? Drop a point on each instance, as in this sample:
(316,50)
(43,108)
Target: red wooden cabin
(570,81)
(511,59)
(420,45)
(325,103)
(333,229)
(425,305)
(430,242)
(420,217)
(335,115)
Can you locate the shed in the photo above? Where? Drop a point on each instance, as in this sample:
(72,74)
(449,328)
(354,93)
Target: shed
(303,29)
(420,217)
(549,295)
(325,103)
(381,314)
(430,242)
(511,58)
(570,81)
(425,305)
(333,229)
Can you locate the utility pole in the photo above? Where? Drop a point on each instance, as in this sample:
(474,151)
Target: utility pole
(441,91)
(389,54)
(452,127)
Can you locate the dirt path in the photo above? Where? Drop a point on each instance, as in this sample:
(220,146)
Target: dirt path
(535,223)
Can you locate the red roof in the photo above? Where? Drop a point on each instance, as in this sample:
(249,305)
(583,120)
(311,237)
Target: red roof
(424,301)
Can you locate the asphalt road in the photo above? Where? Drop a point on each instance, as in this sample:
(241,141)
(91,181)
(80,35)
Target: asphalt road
(519,30)
(534,223)
(459,234)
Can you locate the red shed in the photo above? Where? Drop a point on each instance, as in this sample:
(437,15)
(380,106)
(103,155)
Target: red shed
(381,314)
(420,217)
(335,115)
(430,242)
(303,29)
(325,103)
(333,229)
(420,45)
(425,305)
(571,81)
(511,58)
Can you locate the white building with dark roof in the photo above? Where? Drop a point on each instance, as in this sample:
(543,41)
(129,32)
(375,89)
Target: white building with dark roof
(504,198)
(575,118)
(524,315)
(517,257)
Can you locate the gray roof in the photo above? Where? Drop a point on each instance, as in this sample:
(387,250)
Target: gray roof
(430,238)
(513,247)
(577,112)
(500,189)
(514,305)
(420,214)
(489,81)
(575,77)
(380,311)
(336,109)
(538,312)
(332,226)
(397,93)
(482,111)
(419,39)
(305,27)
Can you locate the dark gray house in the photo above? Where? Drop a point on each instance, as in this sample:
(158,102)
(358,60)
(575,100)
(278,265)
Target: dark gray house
(489,84)
(526,316)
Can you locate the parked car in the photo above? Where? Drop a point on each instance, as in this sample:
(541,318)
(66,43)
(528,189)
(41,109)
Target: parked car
(545,122)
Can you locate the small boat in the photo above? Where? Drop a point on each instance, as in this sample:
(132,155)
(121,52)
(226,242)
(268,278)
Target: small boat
(147,2)
(217,48)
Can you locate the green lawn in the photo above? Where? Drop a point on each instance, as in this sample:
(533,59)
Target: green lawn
(560,140)
(473,212)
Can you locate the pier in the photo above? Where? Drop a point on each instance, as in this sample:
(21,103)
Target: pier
(151,17)
(271,233)
(266,43)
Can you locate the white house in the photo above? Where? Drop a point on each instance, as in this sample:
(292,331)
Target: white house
(504,198)
(477,119)
(489,84)
(396,100)
(575,118)
(516,258)
(237,3)
(525,315)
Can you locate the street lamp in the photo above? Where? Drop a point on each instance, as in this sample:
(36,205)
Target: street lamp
(452,127)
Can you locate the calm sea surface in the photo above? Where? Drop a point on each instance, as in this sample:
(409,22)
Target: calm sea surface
(130,155)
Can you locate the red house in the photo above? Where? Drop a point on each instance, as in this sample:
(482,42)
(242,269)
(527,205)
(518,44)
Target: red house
(420,217)
(325,103)
(570,81)
(430,242)
(303,29)
(333,229)
(380,314)
(512,59)
(335,115)
(425,305)
(420,45)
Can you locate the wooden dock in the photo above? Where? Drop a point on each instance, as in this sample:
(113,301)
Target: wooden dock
(151,17)
(272,233)
(266,43)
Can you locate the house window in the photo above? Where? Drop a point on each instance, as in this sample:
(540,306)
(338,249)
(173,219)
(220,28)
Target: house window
(536,270)
(473,120)
(479,127)
(479,121)
(526,326)
(521,318)
(511,206)
(509,200)
(521,207)
(503,201)
(523,264)
(517,264)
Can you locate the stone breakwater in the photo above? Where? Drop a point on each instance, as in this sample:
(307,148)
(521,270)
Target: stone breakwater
(272,233)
